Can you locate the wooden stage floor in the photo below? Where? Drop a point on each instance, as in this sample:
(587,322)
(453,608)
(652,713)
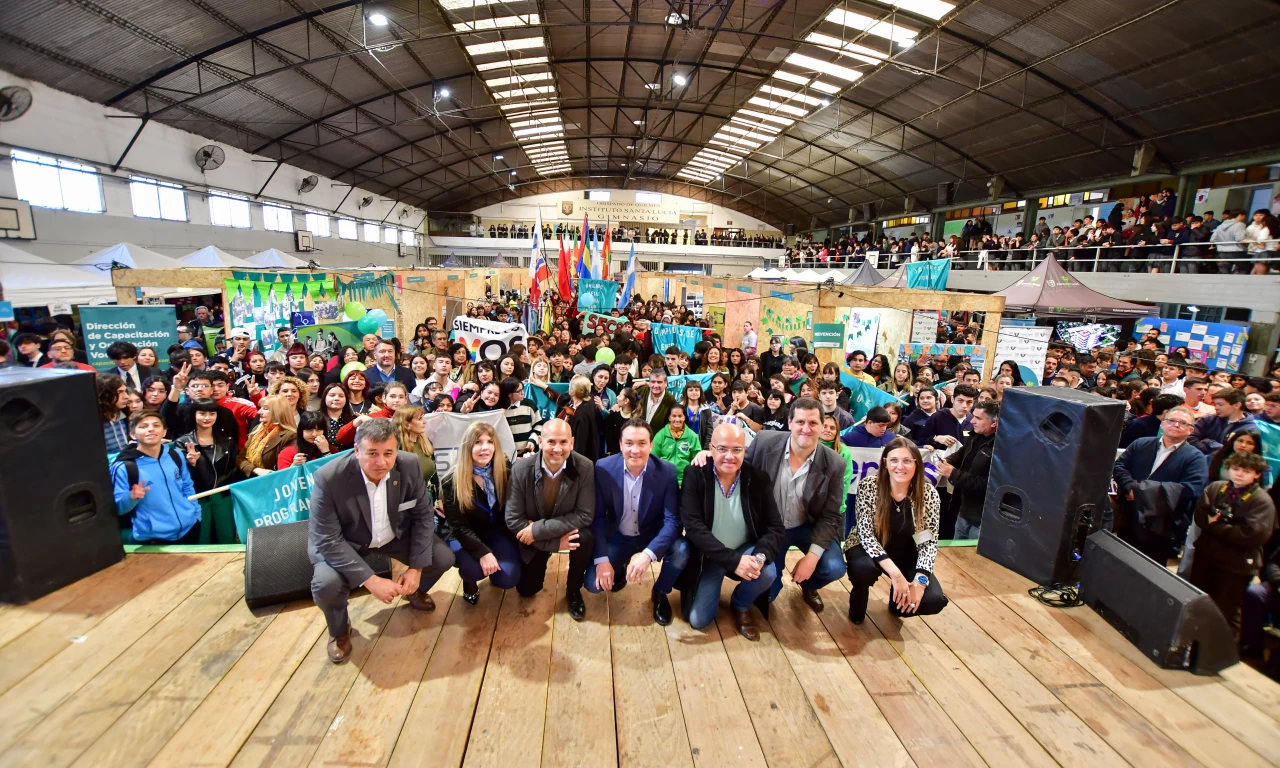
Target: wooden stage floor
(156,661)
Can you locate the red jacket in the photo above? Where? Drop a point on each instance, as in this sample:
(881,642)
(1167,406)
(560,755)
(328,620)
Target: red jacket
(347,432)
(243,410)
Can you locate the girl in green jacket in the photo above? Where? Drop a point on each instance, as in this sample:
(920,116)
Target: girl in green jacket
(831,439)
(675,443)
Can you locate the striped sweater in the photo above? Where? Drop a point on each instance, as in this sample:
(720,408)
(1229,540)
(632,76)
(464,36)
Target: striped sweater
(526,424)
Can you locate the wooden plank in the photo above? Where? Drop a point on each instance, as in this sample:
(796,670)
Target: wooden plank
(25,653)
(41,692)
(70,729)
(17,619)
(924,728)
(1182,705)
(856,728)
(580,729)
(715,715)
(293,727)
(510,714)
(785,724)
(650,722)
(224,719)
(1255,687)
(1001,734)
(435,731)
(366,728)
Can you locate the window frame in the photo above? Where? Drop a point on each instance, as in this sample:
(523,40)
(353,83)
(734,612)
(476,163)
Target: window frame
(57,172)
(235,203)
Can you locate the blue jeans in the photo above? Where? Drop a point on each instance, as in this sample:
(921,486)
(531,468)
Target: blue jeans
(830,567)
(701,610)
(966,529)
(504,546)
(621,550)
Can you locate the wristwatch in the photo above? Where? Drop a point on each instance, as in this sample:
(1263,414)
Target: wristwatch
(922,580)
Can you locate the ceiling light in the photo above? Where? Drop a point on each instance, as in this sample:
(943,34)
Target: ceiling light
(444,93)
(652,86)
(497,157)
(513,173)
(826,103)
(826,68)
(637,122)
(679,79)
(900,35)
(675,18)
(934,9)
(508,63)
(481,49)
(379,19)
(631,146)
(778,106)
(496,22)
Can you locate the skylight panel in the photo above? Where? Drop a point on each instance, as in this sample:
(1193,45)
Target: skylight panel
(826,68)
(482,49)
(901,35)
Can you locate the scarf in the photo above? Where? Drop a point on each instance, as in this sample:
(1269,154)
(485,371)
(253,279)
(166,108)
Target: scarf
(257,443)
(486,479)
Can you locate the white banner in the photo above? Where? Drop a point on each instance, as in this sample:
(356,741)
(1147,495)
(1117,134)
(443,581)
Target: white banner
(1025,345)
(924,326)
(445,431)
(866,461)
(485,339)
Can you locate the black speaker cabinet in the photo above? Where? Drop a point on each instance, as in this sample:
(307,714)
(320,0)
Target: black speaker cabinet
(57,515)
(1173,623)
(1049,476)
(276,568)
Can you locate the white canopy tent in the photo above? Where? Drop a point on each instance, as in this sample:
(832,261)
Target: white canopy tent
(213,257)
(275,258)
(807,276)
(31,281)
(129,255)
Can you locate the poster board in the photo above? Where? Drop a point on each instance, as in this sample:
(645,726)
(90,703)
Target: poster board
(138,324)
(1219,346)
(861,329)
(924,326)
(1027,347)
(976,353)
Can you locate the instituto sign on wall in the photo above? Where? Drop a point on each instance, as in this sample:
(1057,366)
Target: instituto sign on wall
(622,211)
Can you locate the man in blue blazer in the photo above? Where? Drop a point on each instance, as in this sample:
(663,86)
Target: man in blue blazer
(1166,458)
(637,519)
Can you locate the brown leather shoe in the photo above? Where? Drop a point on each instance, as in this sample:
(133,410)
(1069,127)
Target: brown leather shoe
(340,648)
(421,601)
(746,625)
(814,599)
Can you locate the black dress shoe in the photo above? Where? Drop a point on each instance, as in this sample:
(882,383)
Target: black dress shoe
(661,608)
(577,606)
(858,598)
(814,600)
(471,593)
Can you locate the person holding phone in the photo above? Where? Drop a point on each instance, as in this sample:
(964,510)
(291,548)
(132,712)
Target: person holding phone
(311,442)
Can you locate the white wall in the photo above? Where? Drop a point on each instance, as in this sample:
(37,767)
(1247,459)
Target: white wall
(714,215)
(70,127)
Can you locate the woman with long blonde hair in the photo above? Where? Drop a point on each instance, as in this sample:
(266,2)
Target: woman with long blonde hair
(474,493)
(896,535)
(411,428)
(277,428)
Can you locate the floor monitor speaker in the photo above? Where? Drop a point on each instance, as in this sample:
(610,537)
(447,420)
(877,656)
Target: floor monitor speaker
(276,568)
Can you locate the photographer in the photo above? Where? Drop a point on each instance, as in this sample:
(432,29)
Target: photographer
(1235,518)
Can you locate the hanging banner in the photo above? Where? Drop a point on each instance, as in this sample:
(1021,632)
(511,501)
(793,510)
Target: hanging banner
(861,330)
(924,326)
(485,339)
(283,496)
(1027,347)
(862,396)
(261,302)
(828,335)
(597,295)
(142,326)
(593,320)
(445,431)
(545,400)
(664,335)
(976,353)
(929,275)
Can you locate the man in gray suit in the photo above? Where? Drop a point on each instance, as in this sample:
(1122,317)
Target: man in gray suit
(808,486)
(373,500)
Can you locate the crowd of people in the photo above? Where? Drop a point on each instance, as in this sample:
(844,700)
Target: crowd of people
(522,230)
(1132,238)
(714,481)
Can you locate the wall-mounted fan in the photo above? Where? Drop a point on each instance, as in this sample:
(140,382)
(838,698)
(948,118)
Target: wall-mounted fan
(210,157)
(365,202)
(308,184)
(14,102)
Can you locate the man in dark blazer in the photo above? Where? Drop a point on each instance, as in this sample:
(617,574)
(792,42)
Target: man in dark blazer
(372,500)
(637,519)
(125,357)
(732,530)
(1168,458)
(655,400)
(550,502)
(807,484)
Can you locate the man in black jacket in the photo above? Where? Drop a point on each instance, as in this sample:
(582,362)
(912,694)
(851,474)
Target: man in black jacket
(968,474)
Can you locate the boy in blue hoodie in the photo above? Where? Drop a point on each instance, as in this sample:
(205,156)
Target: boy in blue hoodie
(158,500)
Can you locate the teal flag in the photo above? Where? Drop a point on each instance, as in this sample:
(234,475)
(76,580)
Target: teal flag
(542,399)
(283,496)
(1270,450)
(863,397)
(675,384)
(141,325)
(685,337)
(597,295)
(929,275)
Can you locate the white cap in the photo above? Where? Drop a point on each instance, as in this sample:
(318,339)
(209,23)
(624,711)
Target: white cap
(239,333)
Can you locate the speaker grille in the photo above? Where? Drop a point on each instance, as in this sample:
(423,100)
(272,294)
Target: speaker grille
(276,567)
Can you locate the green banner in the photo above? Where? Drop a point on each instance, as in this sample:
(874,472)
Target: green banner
(597,295)
(153,326)
(263,302)
(828,335)
(929,275)
(283,496)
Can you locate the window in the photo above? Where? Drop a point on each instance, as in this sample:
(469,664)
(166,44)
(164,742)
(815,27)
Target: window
(153,199)
(390,235)
(347,229)
(228,210)
(52,183)
(602,195)
(406,236)
(371,233)
(277,218)
(318,224)
(648,197)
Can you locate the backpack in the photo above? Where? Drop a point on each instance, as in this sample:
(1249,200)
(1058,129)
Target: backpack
(128,458)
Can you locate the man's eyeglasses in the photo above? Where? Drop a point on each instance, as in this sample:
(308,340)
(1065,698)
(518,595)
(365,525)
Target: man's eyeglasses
(1178,423)
(721,450)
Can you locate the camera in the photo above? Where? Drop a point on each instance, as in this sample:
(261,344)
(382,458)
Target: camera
(1225,511)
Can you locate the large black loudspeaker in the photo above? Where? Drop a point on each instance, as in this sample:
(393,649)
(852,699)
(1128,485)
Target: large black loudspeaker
(1174,624)
(276,568)
(1049,476)
(58,519)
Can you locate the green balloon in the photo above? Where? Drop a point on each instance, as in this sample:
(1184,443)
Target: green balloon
(354,310)
(368,324)
(604,356)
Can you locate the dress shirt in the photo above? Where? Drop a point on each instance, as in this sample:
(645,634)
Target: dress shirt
(131,377)
(651,406)
(788,492)
(1162,453)
(380,522)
